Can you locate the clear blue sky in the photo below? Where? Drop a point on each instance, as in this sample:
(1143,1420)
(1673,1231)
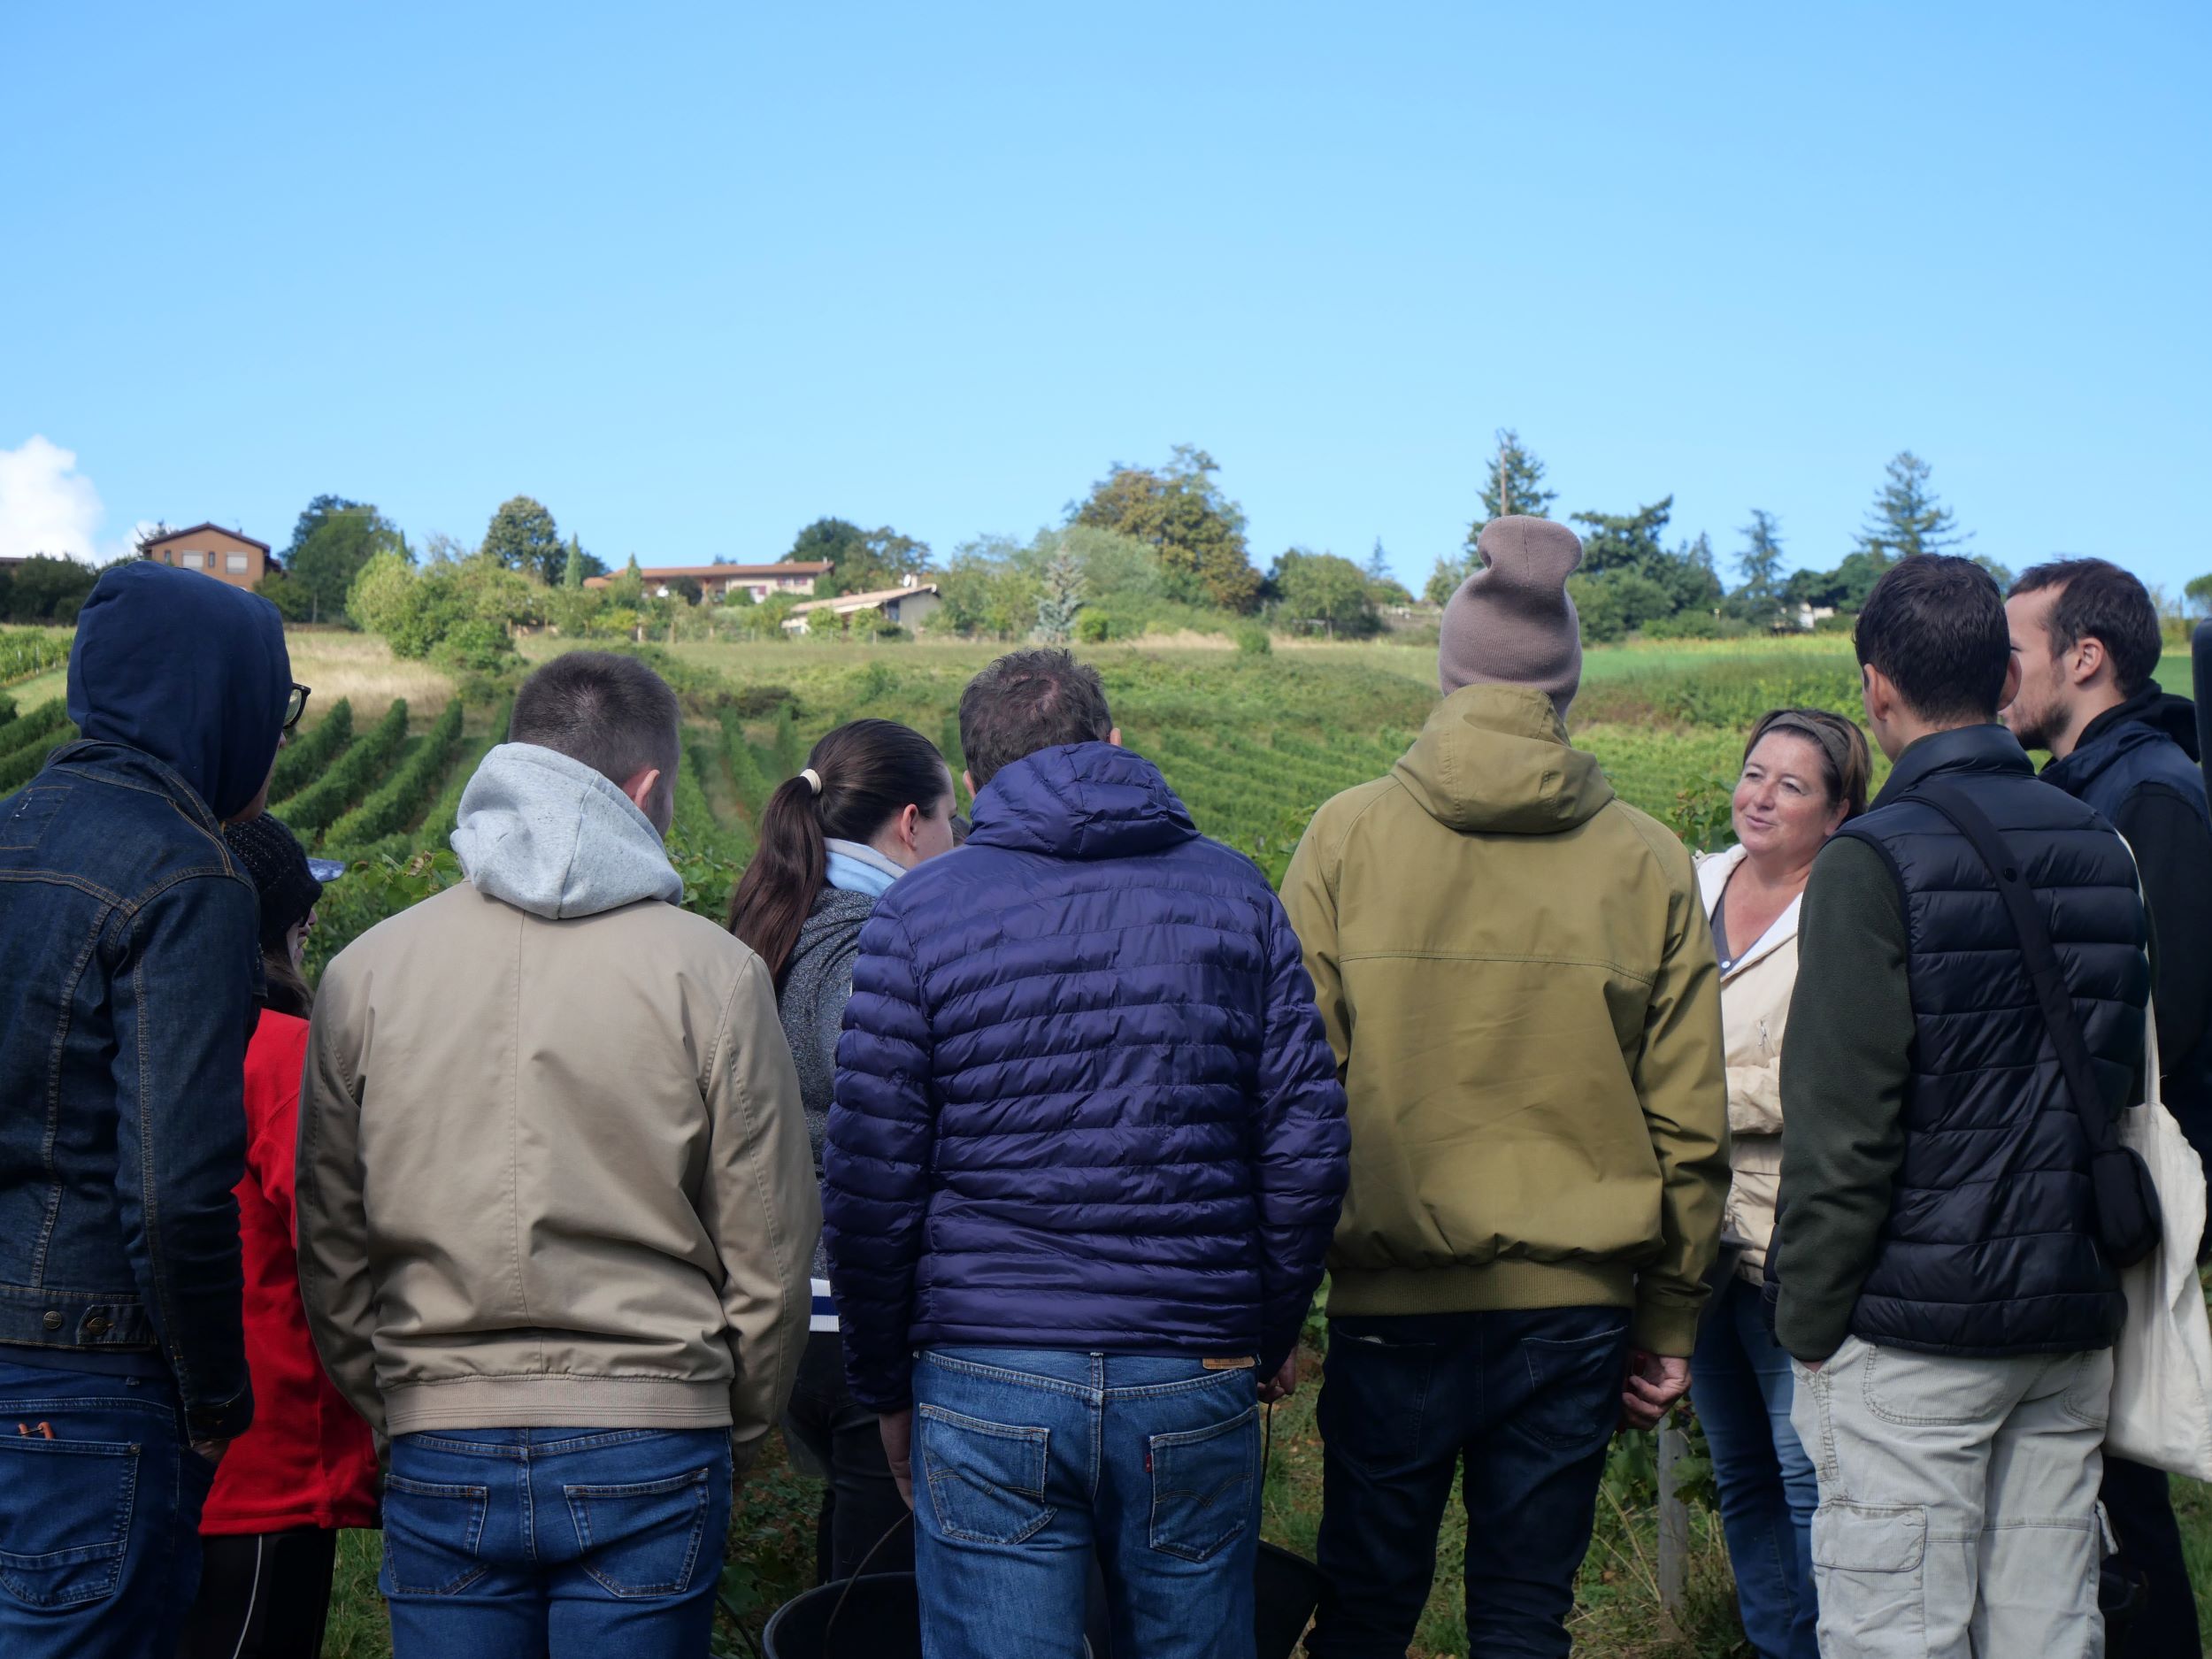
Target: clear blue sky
(695,276)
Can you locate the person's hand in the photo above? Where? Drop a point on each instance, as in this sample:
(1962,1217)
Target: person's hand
(1283,1384)
(897,1429)
(212,1450)
(1656,1381)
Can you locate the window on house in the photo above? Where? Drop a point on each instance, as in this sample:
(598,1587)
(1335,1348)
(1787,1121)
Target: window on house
(234,563)
(193,561)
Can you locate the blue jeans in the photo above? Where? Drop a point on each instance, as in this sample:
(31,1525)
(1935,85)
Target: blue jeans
(1741,1385)
(100,1499)
(506,1543)
(1029,1461)
(1526,1404)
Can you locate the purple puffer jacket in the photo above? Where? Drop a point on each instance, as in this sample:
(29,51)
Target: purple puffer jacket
(1083,1097)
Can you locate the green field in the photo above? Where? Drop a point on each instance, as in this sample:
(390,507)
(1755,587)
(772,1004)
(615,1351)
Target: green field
(1252,743)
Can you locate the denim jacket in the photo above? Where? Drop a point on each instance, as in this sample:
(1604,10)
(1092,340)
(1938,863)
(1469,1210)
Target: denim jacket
(130,978)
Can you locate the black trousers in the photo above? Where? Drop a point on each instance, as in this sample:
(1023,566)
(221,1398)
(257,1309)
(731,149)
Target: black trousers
(861,1506)
(263,1596)
(2141,1505)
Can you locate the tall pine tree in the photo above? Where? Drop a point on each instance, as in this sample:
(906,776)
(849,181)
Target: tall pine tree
(1759,598)
(1906,520)
(1514,483)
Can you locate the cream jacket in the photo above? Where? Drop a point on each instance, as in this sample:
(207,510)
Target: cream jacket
(1754,1005)
(553,1171)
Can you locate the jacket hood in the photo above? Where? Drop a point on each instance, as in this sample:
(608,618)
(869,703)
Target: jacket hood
(2151,716)
(548,835)
(1494,760)
(1081,801)
(187,669)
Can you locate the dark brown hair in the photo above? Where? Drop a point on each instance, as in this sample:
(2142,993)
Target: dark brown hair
(609,711)
(2098,601)
(1845,765)
(871,771)
(287,992)
(1027,701)
(1935,626)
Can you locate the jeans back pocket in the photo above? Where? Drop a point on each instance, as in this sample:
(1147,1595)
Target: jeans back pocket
(1203,1483)
(1575,1384)
(432,1530)
(986,1480)
(65,1509)
(641,1538)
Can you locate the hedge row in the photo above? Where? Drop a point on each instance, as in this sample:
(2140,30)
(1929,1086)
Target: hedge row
(25,730)
(20,767)
(32,651)
(302,761)
(401,797)
(436,829)
(323,802)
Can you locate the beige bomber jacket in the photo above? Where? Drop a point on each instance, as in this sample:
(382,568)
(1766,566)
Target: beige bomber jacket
(1755,1006)
(553,1169)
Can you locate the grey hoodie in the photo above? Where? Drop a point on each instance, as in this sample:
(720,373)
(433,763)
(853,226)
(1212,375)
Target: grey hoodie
(548,835)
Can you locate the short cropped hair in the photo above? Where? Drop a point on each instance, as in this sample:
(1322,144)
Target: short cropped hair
(2098,601)
(1025,701)
(1935,626)
(611,712)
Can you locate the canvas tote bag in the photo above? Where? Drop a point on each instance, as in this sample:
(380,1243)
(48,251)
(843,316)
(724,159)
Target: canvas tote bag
(2162,1366)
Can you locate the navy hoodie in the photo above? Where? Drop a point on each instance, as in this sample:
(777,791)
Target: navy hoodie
(188,669)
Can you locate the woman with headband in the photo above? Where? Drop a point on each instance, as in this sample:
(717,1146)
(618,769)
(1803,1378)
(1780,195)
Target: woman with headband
(875,800)
(1805,772)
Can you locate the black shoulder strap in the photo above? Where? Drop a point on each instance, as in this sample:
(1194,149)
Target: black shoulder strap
(1955,804)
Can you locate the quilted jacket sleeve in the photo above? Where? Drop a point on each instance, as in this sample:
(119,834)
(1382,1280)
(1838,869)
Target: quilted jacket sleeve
(875,1163)
(1302,1145)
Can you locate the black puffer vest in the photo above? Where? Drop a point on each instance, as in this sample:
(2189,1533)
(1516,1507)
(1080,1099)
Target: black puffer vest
(1989,1249)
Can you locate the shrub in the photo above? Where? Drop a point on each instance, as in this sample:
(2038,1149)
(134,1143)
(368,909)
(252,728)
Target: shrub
(474,647)
(30,651)
(302,761)
(1253,642)
(26,761)
(1842,622)
(25,731)
(396,802)
(321,804)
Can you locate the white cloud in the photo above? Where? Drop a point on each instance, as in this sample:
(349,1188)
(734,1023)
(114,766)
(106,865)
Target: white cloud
(46,505)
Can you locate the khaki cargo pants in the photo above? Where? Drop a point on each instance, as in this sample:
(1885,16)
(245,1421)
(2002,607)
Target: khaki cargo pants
(1958,1502)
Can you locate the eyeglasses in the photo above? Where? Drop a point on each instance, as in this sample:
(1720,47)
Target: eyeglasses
(295,704)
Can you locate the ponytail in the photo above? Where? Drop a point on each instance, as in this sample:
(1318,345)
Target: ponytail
(775,895)
(864,774)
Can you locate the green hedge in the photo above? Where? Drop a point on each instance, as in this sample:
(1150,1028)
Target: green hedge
(407,792)
(302,761)
(322,803)
(25,730)
(24,764)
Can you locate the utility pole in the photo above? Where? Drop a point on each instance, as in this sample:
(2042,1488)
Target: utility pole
(1505,494)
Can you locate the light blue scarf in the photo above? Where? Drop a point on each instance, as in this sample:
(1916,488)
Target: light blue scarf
(856,867)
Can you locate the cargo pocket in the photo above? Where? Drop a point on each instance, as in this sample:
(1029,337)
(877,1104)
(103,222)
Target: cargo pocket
(986,1480)
(432,1533)
(641,1538)
(1201,1487)
(65,1509)
(1872,1563)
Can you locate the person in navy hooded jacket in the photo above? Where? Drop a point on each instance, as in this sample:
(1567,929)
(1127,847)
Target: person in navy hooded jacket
(130,971)
(1086,1154)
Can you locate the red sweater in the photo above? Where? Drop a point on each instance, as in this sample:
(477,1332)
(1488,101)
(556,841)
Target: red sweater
(309,1459)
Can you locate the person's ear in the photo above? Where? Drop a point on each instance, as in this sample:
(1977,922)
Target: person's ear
(640,788)
(2012,680)
(1114,737)
(1874,692)
(907,823)
(967,781)
(2087,657)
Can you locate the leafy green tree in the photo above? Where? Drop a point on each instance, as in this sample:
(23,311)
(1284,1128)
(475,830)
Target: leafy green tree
(1322,587)
(627,590)
(337,549)
(572,571)
(310,519)
(1906,520)
(2198,591)
(1382,581)
(1760,564)
(1623,541)
(48,589)
(1444,580)
(866,561)
(1060,598)
(1180,510)
(522,536)
(1515,484)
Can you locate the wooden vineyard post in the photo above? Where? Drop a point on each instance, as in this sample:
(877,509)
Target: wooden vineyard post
(1674,1522)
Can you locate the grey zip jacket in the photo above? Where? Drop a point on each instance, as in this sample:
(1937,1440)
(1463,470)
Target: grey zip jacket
(553,1170)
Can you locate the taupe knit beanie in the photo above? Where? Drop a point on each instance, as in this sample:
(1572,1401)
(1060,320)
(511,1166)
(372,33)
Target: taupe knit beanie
(1511,623)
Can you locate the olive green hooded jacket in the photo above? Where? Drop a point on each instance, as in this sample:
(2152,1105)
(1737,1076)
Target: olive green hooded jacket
(1518,982)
